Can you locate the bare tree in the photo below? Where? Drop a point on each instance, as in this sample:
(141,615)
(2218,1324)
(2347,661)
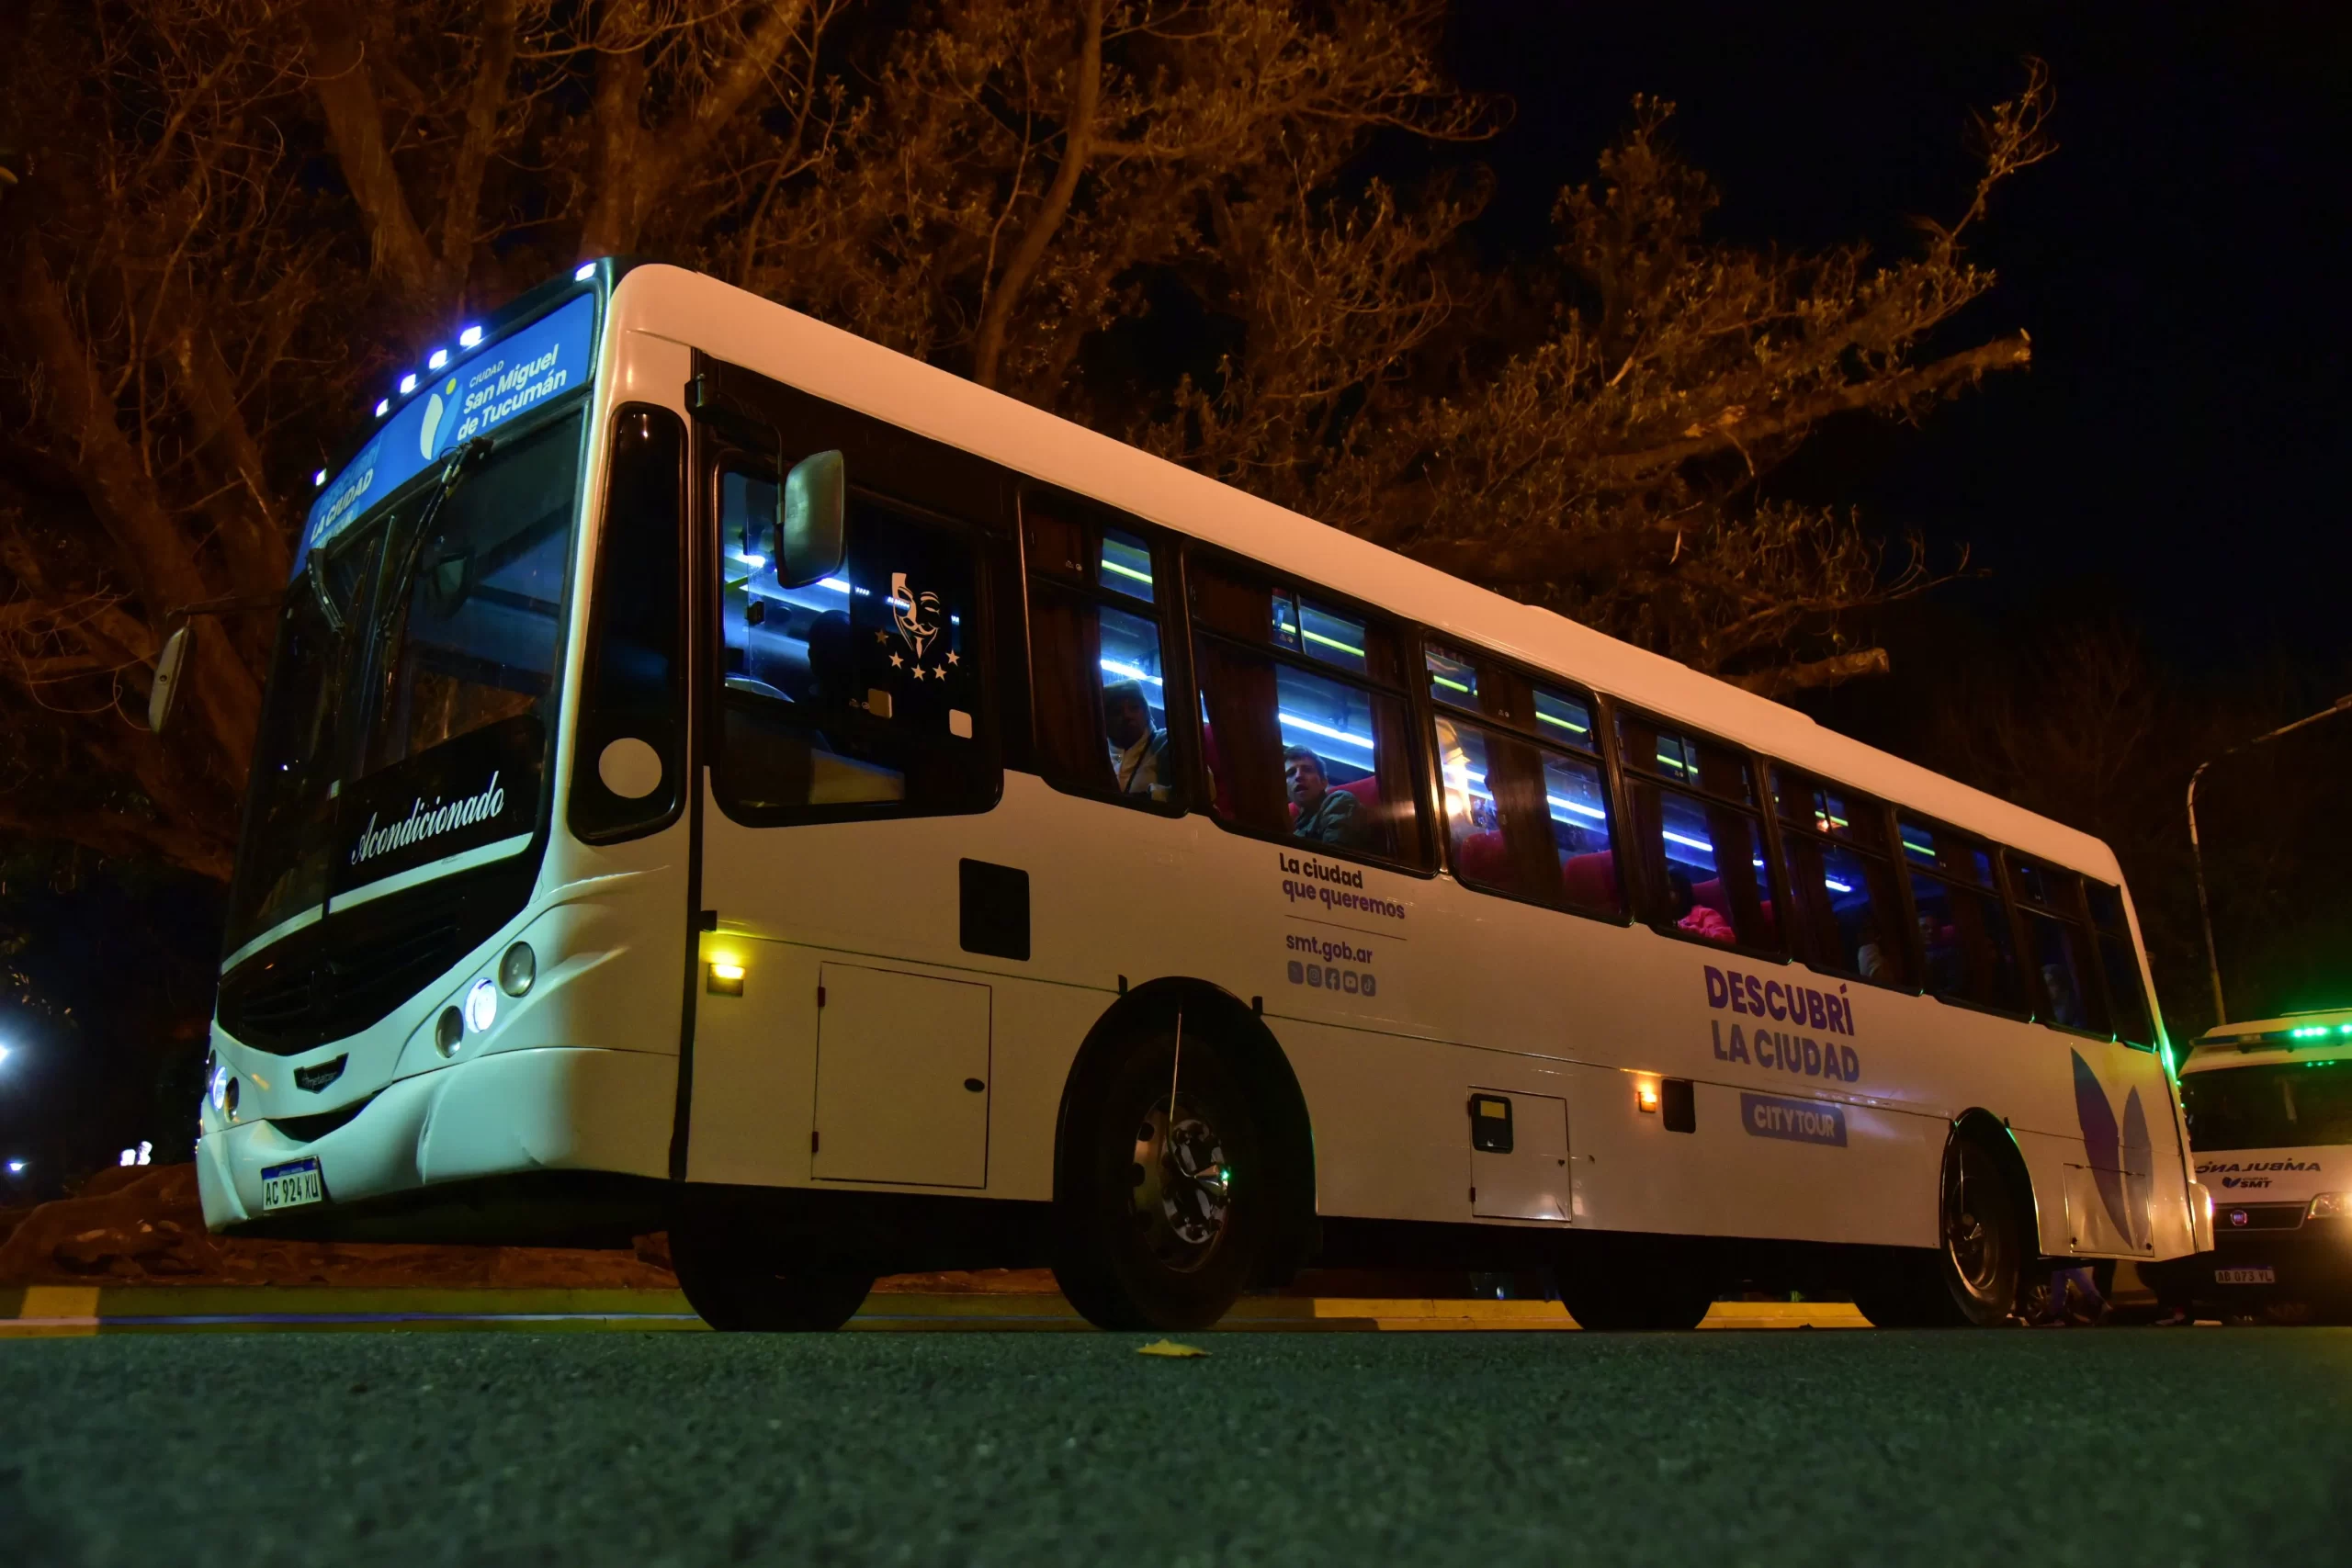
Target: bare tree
(1153,216)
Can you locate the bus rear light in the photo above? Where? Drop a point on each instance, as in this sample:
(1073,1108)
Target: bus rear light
(1645,1098)
(447,1031)
(724,978)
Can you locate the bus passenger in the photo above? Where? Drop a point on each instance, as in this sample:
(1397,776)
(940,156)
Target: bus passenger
(1139,752)
(1325,814)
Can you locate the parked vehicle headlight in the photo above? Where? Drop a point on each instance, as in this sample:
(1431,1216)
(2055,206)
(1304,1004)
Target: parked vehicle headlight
(2331,1206)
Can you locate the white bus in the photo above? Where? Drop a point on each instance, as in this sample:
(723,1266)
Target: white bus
(721,774)
(2269,1106)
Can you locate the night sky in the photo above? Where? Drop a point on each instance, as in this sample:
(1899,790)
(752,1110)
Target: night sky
(2175,453)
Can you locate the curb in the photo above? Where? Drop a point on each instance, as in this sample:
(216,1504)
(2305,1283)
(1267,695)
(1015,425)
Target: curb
(76,1311)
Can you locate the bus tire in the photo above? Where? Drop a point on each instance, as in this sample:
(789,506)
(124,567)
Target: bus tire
(744,1289)
(1152,1233)
(1627,1284)
(1973,1276)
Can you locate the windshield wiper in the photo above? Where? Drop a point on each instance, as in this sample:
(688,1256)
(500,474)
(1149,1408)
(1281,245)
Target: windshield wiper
(463,461)
(316,568)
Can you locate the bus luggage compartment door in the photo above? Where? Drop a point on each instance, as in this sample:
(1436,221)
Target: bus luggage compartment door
(1519,1156)
(902,1078)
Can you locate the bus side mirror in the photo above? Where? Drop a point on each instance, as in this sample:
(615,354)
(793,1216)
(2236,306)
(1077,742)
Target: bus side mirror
(809,545)
(166,686)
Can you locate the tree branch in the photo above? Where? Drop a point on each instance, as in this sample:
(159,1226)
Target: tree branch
(121,493)
(637,166)
(1833,670)
(460,208)
(1893,392)
(345,90)
(988,345)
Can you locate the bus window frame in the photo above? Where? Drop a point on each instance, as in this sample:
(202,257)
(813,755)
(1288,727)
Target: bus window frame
(1885,810)
(1654,901)
(2000,889)
(1176,681)
(2022,907)
(1431,710)
(1403,633)
(722,457)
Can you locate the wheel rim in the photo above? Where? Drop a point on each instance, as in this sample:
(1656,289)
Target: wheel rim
(1975,1242)
(1181,1190)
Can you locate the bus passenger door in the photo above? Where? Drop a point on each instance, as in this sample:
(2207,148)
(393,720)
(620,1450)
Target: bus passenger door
(844,703)
(902,1078)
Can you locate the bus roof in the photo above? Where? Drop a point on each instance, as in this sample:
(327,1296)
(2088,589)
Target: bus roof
(787,346)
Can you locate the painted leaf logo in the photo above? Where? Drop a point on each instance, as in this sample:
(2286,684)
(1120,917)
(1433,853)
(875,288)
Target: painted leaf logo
(2121,1158)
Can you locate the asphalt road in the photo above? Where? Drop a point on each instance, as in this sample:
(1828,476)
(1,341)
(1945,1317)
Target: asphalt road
(2141,1448)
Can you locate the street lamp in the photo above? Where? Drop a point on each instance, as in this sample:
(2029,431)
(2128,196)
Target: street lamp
(2197,852)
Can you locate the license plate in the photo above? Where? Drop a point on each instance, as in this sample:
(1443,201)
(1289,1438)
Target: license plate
(291,1186)
(2260,1275)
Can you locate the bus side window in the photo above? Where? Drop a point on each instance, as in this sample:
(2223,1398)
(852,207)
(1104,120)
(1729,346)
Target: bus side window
(1526,821)
(1304,730)
(1846,912)
(858,694)
(2058,946)
(1699,835)
(1101,692)
(1967,947)
(2119,963)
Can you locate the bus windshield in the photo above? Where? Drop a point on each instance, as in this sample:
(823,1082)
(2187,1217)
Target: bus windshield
(430,631)
(2284,1105)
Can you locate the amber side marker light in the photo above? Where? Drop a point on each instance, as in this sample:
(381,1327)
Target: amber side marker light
(1646,1098)
(723,978)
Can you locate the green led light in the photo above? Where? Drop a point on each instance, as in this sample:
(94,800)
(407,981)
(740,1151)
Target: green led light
(1572,729)
(2344,1029)
(1110,565)
(1334,642)
(1671,763)
(1448,685)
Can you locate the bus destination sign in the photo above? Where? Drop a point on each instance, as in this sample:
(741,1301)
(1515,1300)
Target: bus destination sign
(494,383)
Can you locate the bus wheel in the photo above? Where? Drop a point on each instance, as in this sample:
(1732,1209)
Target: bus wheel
(1631,1286)
(743,1288)
(1974,1277)
(1161,1218)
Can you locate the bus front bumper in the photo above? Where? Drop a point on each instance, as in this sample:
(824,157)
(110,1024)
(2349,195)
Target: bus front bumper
(507,1114)
(2311,1264)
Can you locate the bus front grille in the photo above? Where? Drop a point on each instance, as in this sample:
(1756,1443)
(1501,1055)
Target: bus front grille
(304,998)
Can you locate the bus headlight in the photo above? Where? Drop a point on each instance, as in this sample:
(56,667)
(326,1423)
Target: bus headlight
(481,1006)
(2331,1206)
(518,969)
(447,1031)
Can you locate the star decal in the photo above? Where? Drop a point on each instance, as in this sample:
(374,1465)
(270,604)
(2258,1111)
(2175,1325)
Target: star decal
(952,657)
(897,663)
(881,637)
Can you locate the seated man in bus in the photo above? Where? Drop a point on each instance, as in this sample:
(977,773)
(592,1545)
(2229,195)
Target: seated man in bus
(1326,815)
(1139,759)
